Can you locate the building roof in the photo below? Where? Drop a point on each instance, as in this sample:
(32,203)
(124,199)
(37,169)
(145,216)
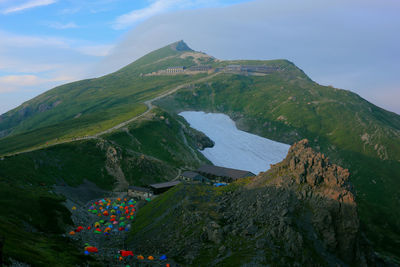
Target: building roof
(224,172)
(164,185)
(192,175)
(175,67)
(140,189)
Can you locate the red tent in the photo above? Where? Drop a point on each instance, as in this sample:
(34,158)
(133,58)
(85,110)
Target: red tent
(92,249)
(126,253)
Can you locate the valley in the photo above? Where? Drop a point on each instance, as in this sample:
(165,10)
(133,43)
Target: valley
(333,200)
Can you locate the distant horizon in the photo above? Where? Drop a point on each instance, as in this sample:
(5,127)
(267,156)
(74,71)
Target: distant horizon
(84,40)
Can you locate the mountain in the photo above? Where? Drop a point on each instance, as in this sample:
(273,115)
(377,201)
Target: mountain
(103,102)
(288,106)
(123,128)
(300,213)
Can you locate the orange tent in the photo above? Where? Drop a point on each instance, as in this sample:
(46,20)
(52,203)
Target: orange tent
(140,257)
(150,258)
(72,233)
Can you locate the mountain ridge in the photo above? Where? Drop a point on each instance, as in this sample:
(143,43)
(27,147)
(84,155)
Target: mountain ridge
(284,105)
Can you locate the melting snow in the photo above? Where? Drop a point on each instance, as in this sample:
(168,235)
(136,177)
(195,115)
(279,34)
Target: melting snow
(235,148)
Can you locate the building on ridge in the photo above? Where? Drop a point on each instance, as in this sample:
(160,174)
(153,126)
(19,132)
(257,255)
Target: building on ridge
(190,176)
(162,187)
(222,174)
(176,69)
(139,192)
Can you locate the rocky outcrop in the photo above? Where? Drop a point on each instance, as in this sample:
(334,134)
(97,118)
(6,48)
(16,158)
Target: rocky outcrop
(201,141)
(300,213)
(326,188)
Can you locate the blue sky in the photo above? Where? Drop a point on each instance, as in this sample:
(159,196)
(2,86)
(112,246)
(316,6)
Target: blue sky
(347,44)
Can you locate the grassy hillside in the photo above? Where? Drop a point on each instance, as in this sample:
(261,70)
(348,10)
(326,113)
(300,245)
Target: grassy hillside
(103,102)
(287,106)
(31,221)
(151,150)
(32,218)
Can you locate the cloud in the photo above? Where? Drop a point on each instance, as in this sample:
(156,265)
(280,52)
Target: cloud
(62,26)
(96,50)
(70,11)
(17,80)
(13,83)
(12,41)
(28,5)
(159,6)
(17,40)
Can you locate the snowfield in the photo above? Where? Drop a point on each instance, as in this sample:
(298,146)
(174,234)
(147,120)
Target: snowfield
(235,148)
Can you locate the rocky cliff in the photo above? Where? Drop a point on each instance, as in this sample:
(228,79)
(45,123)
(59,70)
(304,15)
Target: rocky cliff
(301,212)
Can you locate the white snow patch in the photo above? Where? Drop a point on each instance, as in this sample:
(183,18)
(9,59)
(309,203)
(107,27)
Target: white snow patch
(235,148)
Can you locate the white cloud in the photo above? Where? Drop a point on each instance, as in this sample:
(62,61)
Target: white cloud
(70,11)
(17,80)
(62,26)
(157,7)
(16,40)
(96,50)
(28,5)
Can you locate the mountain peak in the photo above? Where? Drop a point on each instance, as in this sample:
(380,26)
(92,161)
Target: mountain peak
(180,46)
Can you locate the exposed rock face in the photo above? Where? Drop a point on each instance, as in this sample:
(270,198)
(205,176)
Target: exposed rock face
(299,213)
(202,141)
(326,187)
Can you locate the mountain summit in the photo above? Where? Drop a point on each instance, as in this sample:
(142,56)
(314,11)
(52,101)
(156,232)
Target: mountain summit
(181,46)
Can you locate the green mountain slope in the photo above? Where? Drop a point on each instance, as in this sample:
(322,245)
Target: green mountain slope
(287,106)
(103,102)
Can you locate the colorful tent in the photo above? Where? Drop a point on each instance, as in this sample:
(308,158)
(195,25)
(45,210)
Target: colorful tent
(140,257)
(163,257)
(126,253)
(92,249)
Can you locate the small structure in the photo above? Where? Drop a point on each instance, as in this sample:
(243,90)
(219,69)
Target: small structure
(233,68)
(222,174)
(177,69)
(200,68)
(139,192)
(259,68)
(162,187)
(190,176)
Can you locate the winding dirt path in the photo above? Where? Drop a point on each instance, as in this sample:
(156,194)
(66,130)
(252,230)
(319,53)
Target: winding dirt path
(148,103)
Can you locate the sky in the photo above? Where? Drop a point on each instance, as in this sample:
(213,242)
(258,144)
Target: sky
(350,44)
